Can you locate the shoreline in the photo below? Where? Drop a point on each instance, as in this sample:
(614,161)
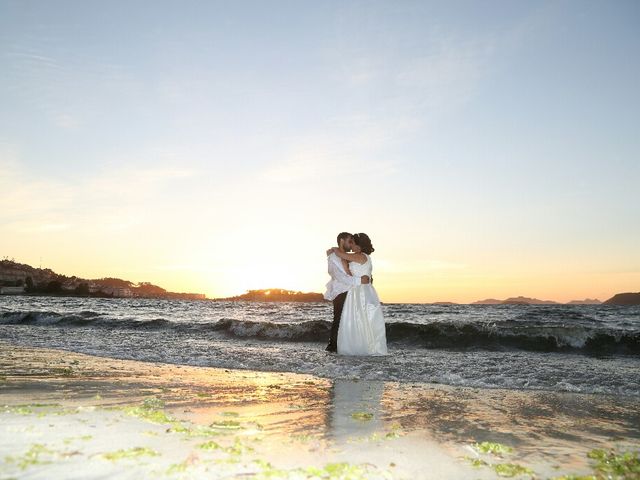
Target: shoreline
(255,419)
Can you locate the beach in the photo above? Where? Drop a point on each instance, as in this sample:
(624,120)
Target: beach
(72,415)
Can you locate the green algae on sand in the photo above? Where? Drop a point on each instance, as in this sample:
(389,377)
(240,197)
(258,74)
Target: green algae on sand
(511,469)
(362,416)
(330,471)
(33,456)
(134,452)
(495,449)
(492,447)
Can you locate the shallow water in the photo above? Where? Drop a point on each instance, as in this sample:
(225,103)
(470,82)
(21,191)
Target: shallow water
(584,348)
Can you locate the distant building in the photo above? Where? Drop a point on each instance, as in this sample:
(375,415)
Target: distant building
(9,274)
(193,296)
(123,292)
(11,290)
(118,291)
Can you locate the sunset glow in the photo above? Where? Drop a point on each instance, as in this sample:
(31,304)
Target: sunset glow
(483,151)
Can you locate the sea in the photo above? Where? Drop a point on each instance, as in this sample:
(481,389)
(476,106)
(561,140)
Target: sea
(563,348)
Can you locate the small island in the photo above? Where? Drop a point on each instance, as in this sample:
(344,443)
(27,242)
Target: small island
(275,295)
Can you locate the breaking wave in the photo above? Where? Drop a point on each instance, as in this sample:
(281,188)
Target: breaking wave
(528,332)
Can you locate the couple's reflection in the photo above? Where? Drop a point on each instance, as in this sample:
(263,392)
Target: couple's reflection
(356,409)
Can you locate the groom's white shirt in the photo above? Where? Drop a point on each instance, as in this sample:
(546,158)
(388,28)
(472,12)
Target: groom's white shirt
(340,281)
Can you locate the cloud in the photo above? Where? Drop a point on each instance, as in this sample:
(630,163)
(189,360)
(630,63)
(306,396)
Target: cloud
(204,267)
(110,198)
(24,196)
(57,82)
(325,160)
(27,227)
(66,121)
(410,73)
(129,183)
(445,79)
(391,98)
(414,266)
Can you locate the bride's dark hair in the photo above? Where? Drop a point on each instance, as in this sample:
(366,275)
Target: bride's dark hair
(364,242)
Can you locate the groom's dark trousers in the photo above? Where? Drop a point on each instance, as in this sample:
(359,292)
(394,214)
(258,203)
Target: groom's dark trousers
(338,303)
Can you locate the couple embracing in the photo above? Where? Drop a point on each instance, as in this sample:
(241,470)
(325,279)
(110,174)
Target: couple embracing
(358,323)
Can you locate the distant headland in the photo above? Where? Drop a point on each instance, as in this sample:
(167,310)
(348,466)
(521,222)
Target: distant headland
(20,278)
(629,298)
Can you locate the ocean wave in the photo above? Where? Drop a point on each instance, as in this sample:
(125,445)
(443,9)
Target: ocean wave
(309,331)
(524,334)
(535,337)
(84,318)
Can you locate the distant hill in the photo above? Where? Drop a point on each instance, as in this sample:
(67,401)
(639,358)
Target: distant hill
(44,281)
(488,301)
(275,295)
(586,301)
(528,301)
(624,299)
(514,301)
(618,299)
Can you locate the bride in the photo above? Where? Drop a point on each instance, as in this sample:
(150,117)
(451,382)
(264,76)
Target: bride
(362,328)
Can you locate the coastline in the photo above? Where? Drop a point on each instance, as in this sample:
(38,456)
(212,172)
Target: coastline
(86,413)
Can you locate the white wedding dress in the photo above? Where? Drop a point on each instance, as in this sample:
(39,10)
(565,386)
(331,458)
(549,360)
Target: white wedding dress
(362,329)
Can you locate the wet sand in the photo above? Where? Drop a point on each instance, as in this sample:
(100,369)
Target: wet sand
(70,415)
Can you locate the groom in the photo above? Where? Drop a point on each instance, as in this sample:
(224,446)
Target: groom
(339,285)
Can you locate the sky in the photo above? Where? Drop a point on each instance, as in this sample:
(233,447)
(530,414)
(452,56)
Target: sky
(489,149)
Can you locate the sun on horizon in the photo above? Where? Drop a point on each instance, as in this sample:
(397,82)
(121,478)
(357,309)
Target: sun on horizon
(259,283)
